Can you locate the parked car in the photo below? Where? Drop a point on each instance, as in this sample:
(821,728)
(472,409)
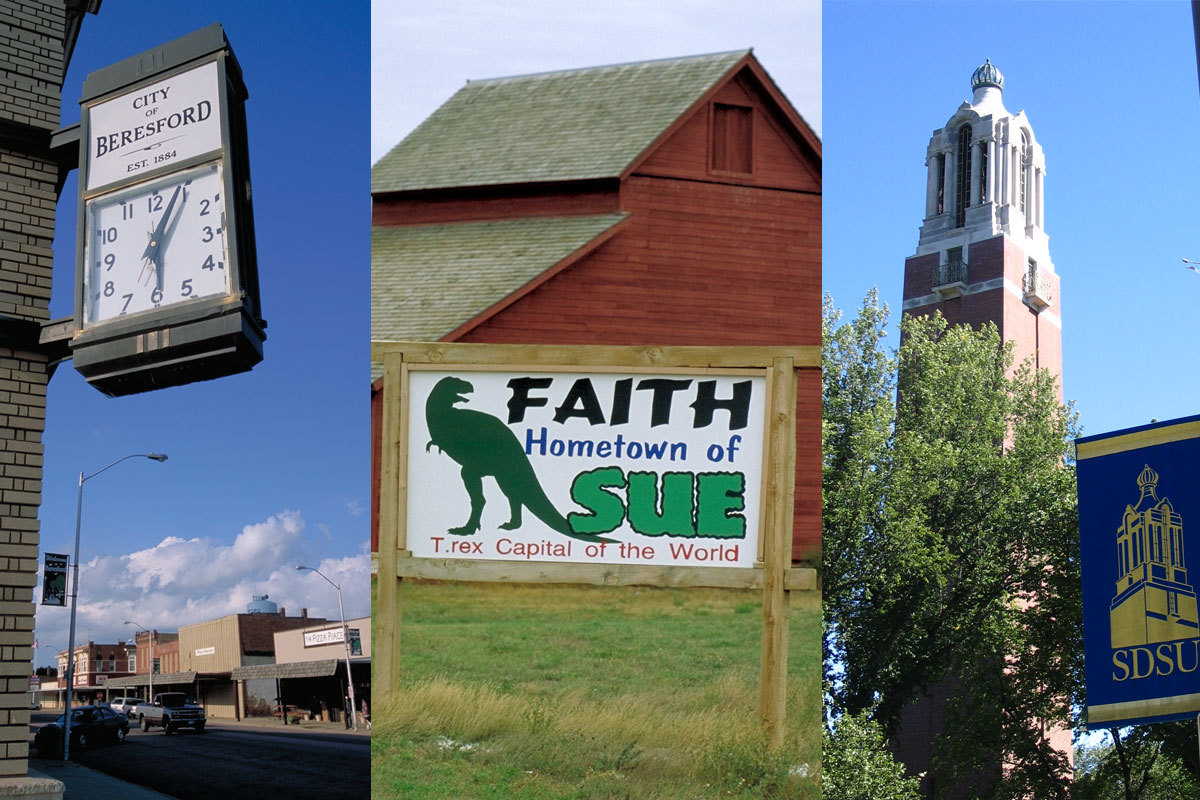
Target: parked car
(124,705)
(171,711)
(90,725)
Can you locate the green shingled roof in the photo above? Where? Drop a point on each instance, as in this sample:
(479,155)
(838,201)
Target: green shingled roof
(426,280)
(555,126)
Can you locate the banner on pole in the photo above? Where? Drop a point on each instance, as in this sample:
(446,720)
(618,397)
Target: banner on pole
(54,580)
(1139,526)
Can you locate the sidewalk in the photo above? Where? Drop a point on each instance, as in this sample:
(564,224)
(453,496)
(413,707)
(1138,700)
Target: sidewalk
(304,726)
(86,784)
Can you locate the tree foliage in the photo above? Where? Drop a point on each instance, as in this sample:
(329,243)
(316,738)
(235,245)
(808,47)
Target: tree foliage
(856,764)
(950,544)
(1142,763)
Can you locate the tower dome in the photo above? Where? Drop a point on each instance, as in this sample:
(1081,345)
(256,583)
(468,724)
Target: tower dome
(1147,480)
(987,75)
(1147,476)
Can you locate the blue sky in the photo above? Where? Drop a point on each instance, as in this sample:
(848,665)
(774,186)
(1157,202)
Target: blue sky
(268,469)
(1111,92)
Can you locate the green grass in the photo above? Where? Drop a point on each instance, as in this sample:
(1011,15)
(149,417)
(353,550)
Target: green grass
(584,693)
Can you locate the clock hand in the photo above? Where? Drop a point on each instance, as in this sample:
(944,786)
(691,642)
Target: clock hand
(152,253)
(147,258)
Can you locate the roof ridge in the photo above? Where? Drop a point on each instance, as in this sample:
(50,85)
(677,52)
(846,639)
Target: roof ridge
(550,126)
(568,71)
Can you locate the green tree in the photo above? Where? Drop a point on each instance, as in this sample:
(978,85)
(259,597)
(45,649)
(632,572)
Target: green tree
(950,544)
(856,764)
(1142,763)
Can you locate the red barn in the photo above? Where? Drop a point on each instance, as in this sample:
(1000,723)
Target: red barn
(669,202)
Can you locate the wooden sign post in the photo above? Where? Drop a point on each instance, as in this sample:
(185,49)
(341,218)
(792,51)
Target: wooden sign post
(566,440)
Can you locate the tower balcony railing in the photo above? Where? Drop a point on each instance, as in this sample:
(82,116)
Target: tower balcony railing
(950,278)
(1036,288)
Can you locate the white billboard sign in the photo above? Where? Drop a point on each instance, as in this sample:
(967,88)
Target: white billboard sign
(586,467)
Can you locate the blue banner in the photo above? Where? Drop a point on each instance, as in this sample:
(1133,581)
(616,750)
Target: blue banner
(1139,525)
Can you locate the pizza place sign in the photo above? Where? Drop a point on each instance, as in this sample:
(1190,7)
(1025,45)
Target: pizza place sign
(603,467)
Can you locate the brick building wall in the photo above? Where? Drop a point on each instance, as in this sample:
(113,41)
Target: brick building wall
(1001,263)
(699,264)
(166,652)
(32,34)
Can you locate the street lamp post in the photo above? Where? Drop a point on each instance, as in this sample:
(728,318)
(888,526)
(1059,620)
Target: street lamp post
(346,642)
(75,593)
(57,676)
(150,636)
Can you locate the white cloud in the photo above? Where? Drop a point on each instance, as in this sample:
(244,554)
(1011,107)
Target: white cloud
(185,581)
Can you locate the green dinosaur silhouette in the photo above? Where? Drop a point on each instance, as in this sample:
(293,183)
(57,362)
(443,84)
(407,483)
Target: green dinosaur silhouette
(484,445)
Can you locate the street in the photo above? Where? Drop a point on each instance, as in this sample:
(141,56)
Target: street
(234,762)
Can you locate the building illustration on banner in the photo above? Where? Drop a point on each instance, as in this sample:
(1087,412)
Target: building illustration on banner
(1154,601)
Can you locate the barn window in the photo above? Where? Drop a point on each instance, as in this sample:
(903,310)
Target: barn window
(731,151)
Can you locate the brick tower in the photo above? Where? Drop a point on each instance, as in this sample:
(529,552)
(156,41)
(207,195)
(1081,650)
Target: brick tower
(983,254)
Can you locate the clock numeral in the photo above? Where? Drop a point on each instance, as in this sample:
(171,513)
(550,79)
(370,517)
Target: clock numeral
(109,289)
(108,235)
(126,210)
(185,288)
(204,204)
(109,260)
(156,296)
(208,234)
(209,264)
(154,202)
(127,297)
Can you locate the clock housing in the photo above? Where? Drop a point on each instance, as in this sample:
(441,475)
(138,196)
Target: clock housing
(167,280)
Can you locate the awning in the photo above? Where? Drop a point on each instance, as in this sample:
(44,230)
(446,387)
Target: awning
(298,669)
(160,679)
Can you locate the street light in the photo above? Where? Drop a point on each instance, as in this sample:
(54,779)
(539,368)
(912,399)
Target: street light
(346,642)
(75,593)
(57,677)
(150,635)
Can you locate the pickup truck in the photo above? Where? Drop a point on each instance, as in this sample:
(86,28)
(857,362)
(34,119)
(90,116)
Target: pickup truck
(171,711)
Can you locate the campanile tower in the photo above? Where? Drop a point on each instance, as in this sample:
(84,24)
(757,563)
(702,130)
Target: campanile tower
(983,254)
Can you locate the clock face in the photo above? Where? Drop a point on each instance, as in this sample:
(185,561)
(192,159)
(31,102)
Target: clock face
(156,244)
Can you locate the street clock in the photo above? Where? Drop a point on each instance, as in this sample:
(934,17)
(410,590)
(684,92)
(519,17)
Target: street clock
(166,279)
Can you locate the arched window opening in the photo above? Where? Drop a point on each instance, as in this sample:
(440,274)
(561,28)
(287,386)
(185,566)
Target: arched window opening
(983,172)
(941,183)
(1023,166)
(962,194)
